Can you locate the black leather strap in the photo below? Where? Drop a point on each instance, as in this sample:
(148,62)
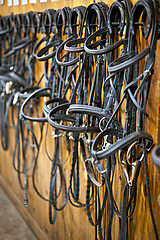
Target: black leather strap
(155,156)
(32,95)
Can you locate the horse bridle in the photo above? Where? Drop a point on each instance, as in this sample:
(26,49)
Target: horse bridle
(87,82)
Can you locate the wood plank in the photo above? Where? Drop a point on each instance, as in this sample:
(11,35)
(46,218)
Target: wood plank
(22,210)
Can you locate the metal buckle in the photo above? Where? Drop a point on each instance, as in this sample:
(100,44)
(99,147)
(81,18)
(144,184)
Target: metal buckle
(8,87)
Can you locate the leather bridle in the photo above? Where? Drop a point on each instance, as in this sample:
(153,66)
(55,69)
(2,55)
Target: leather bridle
(92,71)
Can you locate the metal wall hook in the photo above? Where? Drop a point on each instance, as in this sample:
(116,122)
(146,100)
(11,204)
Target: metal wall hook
(141,7)
(60,18)
(26,23)
(36,22)
(76,13)
(17,22)
(116,14)
(47,21)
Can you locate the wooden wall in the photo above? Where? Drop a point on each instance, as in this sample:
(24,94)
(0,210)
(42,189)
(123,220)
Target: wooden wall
(72,223)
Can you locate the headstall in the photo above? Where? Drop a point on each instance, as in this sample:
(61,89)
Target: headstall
(98,63)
